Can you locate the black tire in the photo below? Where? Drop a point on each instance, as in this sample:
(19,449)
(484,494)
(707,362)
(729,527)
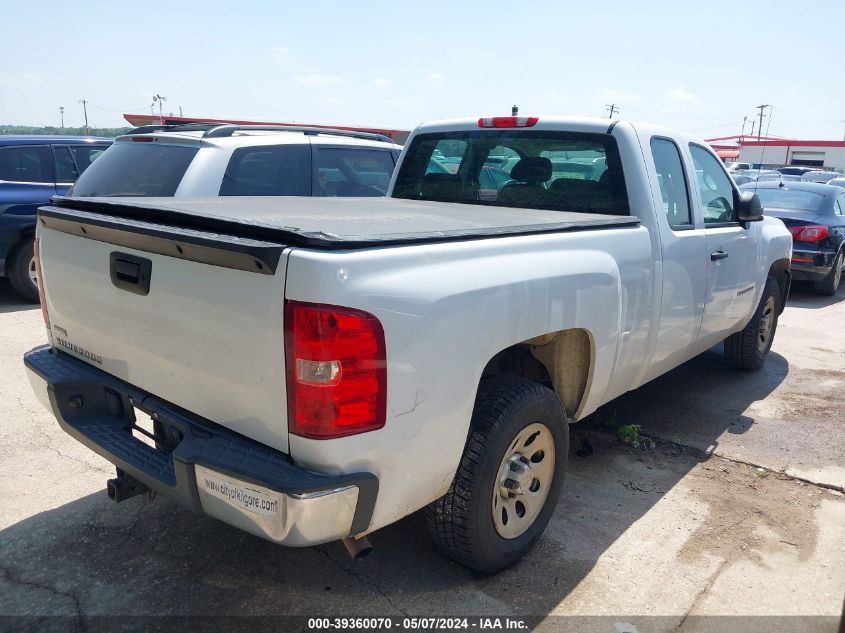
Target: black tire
(21,260)
(747,349)
(461,522)
(830,283)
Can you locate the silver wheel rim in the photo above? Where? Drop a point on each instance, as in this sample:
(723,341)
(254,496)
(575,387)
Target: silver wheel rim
(523,481)
(33,273)
(767,319)
(837,270)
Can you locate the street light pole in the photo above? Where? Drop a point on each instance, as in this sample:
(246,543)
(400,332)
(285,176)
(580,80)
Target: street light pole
(62,114)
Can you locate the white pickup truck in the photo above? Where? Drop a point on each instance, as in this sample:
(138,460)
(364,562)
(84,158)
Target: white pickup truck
(316,369)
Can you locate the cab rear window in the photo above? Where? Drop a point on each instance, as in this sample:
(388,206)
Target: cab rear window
(136,169)
(558,171)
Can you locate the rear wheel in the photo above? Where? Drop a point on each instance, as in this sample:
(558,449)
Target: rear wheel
(507,484)
(22,273)
(748,348)
(830,283)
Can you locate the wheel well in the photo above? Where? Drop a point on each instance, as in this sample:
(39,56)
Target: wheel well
(780,271)
(26,236)
(560,360)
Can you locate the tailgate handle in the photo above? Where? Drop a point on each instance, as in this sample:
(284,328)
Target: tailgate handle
(130,273)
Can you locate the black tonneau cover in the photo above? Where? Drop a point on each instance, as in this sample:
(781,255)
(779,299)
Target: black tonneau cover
(324,223)
(250,233)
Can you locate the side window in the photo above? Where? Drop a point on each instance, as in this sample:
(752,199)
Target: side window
(65,167)
(274,170)
(673,182)
(717,193)
(839,206)
(26,163)
(84,155)
(352,171)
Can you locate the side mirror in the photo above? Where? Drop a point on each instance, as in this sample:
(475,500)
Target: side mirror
(749,208)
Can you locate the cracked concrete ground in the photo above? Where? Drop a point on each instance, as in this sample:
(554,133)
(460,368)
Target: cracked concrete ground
(711,522)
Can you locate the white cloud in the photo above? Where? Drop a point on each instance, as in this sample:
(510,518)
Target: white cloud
(435,77)
(679,95)
(282,55)
(382,83)
(317,80)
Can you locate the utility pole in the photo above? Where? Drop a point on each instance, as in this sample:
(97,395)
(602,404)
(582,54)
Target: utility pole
(180,112)
(760,127)
(514,110)
(62,114)
(85,110)
(611,109)
(752,126)
(744,121)
(161,100)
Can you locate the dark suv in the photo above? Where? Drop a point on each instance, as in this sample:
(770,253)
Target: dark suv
(32,169)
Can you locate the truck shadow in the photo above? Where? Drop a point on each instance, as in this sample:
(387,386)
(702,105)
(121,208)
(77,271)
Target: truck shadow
(10,301)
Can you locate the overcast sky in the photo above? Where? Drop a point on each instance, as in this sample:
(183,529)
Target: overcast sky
(394,64)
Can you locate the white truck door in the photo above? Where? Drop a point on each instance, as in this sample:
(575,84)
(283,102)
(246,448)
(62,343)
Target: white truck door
(682,245)
(731,252)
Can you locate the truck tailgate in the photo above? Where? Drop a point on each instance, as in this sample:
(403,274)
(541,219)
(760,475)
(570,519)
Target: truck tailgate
(208,333)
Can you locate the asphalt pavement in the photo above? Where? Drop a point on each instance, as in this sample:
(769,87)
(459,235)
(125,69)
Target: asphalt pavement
(734,508)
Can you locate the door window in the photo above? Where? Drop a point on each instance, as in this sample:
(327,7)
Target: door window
(351,171)
(65,167)
(673,182)
(84,155)
(276,170)
(839,207)
(717,192)
(26,163)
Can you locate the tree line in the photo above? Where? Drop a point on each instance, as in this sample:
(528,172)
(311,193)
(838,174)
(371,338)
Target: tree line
(109,132)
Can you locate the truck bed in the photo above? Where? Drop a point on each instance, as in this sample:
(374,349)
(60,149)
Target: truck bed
(326,223)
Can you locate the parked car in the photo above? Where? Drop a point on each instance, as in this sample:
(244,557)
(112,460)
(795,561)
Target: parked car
(821,176)
(776,176)
(839,181)
(754,174)
(794,170)
(741,179)
(32,169)
(731,167)
(318,368)
(241,160)
(815,215)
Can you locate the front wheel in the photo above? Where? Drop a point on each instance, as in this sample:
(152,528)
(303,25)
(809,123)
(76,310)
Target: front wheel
(749,347)
(509,478)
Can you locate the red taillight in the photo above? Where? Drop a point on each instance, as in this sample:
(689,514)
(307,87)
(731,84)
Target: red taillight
(809,233)
(508,121)
(37,256)
(336,373)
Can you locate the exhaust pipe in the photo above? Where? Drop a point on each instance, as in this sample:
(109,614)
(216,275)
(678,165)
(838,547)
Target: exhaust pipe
(358,548)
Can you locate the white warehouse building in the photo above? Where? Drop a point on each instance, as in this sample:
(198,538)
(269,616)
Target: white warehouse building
(775,152)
